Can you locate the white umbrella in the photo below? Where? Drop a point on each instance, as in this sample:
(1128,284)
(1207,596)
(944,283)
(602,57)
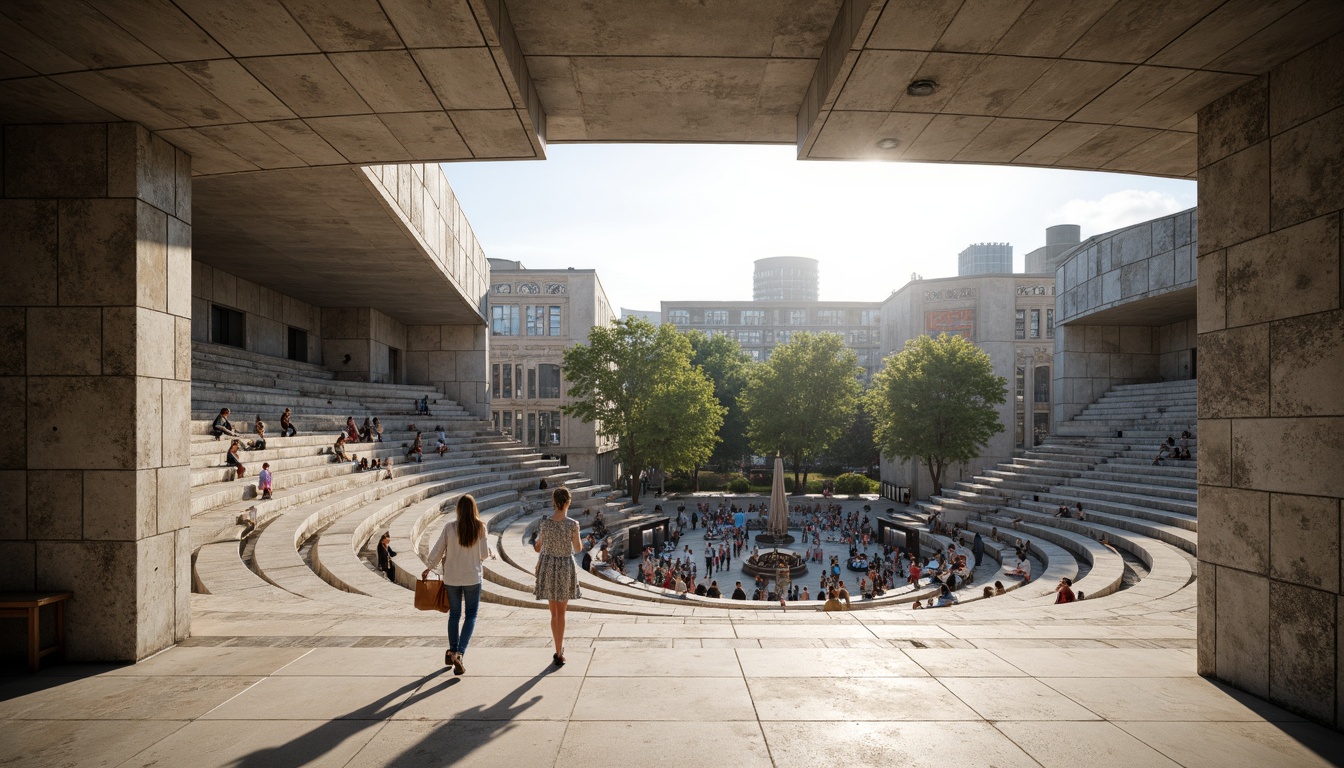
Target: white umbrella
(778,523)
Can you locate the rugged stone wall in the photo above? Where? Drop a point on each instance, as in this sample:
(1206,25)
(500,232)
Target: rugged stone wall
(1271,397)
(95,381)
(268,313)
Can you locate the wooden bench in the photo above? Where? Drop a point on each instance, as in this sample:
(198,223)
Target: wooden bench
(27,605)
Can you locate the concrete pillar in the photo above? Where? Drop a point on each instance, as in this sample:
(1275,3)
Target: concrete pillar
(455,359)
(95,381)
(1271,402)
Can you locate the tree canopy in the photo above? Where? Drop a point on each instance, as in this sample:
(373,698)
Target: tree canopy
(722,360)
(635,381)
(800,400)
(934,401)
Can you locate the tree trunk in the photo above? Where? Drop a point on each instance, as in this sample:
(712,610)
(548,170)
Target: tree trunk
(633,480)
(936,475)
(695,478)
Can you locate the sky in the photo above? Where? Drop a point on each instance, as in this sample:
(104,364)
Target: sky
(675,222)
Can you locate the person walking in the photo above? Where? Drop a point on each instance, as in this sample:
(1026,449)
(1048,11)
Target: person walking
(458,554)
(557,575)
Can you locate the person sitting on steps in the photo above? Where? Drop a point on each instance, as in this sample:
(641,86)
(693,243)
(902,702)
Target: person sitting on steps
(366,431)
(339,448)
(287,425)
(417,450)
(259,427)
(231,458)
(222,426)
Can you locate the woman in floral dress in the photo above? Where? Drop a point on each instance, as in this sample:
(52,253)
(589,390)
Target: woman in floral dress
(557,575)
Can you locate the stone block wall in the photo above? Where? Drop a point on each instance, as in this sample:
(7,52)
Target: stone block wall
(268,314)
(366,335)
(453,358)
(1271,398)
(95,381)
(419,195)
(1127,265)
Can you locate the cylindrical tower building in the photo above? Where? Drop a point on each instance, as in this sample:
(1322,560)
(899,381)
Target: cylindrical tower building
(985,259)
(785,278)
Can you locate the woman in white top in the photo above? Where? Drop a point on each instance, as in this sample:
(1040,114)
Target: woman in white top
(458,555)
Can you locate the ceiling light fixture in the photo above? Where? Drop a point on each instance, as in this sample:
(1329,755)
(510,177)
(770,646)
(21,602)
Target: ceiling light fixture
(921,88)
(888,143)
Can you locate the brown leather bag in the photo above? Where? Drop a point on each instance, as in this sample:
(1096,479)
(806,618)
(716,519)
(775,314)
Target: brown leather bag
(431,595)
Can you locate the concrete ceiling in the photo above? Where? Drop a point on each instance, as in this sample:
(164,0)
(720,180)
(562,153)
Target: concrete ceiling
(1162,309)
(248,85)
(321,235)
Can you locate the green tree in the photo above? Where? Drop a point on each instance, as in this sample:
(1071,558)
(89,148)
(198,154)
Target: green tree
(800,400)
(857,445)
(635,381)
(722,360)
(934,401)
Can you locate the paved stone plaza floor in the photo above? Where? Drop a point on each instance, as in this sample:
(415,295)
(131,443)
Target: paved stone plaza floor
(310,683)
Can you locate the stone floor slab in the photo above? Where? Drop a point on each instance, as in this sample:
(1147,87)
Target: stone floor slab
(686,744)
(645,662)
(120,698)
(323,698)
(1074,744)
(716,699)
(909,745)
(243,743)
(254,662)
(433,744)
(959,662)
(1015,698)
(475,697)
(83,743)
(847,662)
(1172,699)
(1213,745)
(856,698)
(1099,662)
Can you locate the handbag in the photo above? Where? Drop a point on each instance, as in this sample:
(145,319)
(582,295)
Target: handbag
(431,595)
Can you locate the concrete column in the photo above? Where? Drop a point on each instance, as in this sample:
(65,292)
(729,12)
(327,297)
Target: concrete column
(1271,403)
(455,359)
(95,381)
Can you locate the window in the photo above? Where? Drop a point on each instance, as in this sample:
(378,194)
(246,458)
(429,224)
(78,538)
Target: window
(298,345)
(1042,377)
(830,317)
(783,336)
(536,321)
(504,320)
(506,386)
(518,426)
(1049,323)
(679,316)
(749,337)
(506,424)
(553,320)
(1020,324)
(494,386)
(531,429)
(494,419)
(548,424)
(753,317)
(868,317)
(548,381)
(532,383)
(755,355)
(857,338)
(716,317)
(1035,323)
(797,317)
(226,326)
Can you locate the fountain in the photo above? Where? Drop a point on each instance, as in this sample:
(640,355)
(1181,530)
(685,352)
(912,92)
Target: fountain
(776,535)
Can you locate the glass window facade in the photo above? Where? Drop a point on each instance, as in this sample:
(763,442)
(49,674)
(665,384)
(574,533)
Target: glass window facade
(548,381)
(1020,324)
(753,317)
(679,316)
(716,317)
(504,320)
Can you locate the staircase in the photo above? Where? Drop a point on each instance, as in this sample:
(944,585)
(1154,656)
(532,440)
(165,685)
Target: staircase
(1103,460)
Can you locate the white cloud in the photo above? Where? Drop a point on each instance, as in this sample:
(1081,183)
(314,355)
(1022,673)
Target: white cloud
(1115,210)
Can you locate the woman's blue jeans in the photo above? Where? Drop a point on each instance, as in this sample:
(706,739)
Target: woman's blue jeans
(457,596)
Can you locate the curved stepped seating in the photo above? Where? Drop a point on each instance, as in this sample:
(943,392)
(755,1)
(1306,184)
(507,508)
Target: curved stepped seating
(277,556)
